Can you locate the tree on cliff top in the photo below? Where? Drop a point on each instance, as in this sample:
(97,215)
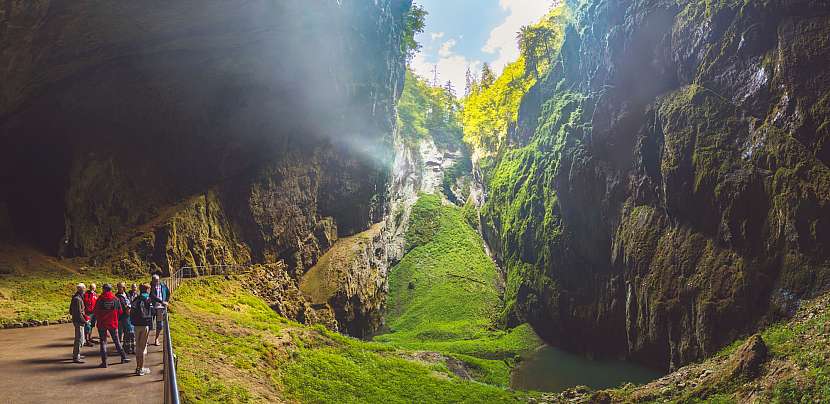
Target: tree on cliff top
(492,104)
(427,110)
(415,21)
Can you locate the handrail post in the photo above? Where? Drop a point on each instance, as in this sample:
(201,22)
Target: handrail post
(171,386)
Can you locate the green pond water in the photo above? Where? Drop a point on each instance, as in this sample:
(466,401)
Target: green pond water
(551,369)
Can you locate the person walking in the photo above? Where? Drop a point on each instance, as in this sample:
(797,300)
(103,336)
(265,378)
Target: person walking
(79,320)
(107,310)
(142,319)
(126,333)
(159,295)
(90,297)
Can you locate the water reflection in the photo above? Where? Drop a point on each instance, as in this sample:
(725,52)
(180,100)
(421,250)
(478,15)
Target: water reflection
(554,370)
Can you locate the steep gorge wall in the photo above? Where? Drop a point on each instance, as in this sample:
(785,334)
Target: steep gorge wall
(667,188)
(137,136)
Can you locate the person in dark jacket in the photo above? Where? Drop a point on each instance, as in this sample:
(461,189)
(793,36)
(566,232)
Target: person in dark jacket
(142,318)
(126,334)
(79,320)
(90,297)
(107,310)
(159,295)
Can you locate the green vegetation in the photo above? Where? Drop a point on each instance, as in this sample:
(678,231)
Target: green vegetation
(806,344)
(428,111)
(236,349)
(491,105)
(520,179)
(414,23)
(425,111)
(490,109)
(520,186)
(443,295)
(43,296)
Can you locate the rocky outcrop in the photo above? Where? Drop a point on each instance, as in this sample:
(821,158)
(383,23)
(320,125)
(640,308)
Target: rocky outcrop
(349,282)
(673,191)
(747,360)
(275,286)
(196,132)
(419,167)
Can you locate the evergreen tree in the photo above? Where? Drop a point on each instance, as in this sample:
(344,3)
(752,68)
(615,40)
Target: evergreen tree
(450,90)
(415,21)
(529,38)
(487,76)
(469,82)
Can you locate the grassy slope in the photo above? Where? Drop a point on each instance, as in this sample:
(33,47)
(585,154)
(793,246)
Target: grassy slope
(233,348)
(38,287)
(443,296)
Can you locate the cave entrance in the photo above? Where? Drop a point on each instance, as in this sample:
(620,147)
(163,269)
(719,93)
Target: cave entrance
(34,171)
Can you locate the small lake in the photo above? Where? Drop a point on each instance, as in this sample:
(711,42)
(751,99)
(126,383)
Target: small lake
(551,369)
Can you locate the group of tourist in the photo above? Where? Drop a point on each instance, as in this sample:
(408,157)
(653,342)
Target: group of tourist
(127,317)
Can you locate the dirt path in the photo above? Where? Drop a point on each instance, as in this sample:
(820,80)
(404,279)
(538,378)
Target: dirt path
(36,367)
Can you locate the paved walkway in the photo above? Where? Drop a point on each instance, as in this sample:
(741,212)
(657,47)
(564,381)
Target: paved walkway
(36,367)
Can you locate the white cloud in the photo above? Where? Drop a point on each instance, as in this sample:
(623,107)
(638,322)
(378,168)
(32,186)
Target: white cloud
(446,48)
(436,35)
(502,41)
(451,66)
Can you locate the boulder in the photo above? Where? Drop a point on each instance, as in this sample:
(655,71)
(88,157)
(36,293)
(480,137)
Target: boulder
(746,362)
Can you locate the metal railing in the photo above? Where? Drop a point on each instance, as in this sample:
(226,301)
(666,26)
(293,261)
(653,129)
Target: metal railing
(171,384)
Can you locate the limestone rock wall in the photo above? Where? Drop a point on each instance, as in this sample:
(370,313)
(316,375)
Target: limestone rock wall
(674,191)
(151,136)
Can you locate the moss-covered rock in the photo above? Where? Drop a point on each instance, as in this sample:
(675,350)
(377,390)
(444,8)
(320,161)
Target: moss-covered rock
(674,193)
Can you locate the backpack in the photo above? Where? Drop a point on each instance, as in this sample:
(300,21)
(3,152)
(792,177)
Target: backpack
(125,303)
(142,313)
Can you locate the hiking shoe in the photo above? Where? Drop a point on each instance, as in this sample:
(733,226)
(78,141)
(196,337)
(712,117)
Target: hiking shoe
(103,365)
(125,360)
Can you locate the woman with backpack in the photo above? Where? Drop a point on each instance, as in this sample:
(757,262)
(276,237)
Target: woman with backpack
(141,316)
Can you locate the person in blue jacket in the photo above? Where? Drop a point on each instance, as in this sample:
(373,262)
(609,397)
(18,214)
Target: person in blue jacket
(159,296)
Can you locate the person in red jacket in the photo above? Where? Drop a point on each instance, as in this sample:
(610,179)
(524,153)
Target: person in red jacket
(90,297)
(107,310)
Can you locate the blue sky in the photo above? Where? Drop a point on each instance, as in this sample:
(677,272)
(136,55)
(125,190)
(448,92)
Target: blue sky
(467,33)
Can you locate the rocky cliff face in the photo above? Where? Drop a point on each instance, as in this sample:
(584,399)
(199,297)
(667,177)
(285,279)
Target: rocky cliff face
(418,168)
(195,132)
(346,289)
(668,188)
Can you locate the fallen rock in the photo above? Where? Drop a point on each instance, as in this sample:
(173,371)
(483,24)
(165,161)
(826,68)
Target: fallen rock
(601,397)
(747,360)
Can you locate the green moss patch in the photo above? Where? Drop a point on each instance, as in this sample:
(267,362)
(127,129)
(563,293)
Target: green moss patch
(233,348)
(444,297)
